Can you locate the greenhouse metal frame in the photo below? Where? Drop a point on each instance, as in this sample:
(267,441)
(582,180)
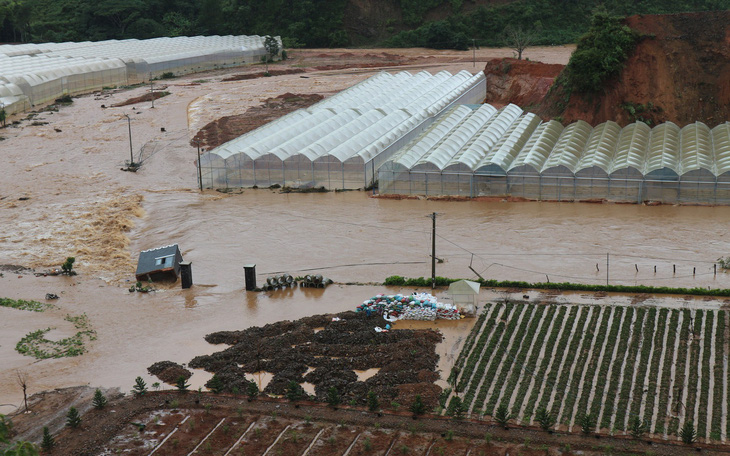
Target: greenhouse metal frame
(35,74)
(512,154)
(340,142)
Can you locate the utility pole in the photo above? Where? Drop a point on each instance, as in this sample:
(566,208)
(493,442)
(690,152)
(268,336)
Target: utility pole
(152,93)
(131,154)
(433,251)
(200,173)
(607,268)
(474,47)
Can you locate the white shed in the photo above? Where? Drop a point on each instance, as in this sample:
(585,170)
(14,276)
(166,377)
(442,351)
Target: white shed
(465,295)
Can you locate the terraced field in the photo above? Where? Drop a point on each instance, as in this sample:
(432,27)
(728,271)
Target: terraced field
(665,366)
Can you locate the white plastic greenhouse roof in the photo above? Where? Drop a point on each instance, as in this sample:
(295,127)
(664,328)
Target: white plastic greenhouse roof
(515,141)
(38,73)
(358,123)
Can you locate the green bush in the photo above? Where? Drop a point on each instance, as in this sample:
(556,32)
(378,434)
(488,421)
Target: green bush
(600,53)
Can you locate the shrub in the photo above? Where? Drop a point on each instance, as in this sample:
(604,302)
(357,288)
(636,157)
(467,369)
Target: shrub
(600,53)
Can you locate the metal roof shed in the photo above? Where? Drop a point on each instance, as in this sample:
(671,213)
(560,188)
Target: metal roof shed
(159,264)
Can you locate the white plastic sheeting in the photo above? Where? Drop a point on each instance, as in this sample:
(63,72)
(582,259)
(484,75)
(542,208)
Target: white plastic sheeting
(340,142)
(512,153)
(33,74)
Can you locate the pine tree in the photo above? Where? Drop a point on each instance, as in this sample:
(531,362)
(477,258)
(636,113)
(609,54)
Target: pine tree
(502,416)
(73,420)
(456,408)
(215,384)
(587,423)
(637,427)
(181,384)
(252,391)
(48,442)
(333,397)
(99,400)
(294,391)
(545,419)
(140,387)
(418,407)
(373,403)
(688,434)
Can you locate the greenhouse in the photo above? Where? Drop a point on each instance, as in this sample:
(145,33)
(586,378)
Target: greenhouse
(34,74)
(481,151)
(341,142)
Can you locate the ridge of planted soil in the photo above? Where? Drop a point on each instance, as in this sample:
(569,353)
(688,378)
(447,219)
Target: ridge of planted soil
(173,423)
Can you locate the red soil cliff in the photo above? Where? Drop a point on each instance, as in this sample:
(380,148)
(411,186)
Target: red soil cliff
(681,67)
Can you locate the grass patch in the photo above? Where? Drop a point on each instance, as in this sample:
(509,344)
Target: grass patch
(36,345)
(22,304)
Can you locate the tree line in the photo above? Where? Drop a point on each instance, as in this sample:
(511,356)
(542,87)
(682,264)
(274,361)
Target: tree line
(321,23)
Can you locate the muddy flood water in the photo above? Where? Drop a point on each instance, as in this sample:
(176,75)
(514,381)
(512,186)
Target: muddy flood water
(62,194)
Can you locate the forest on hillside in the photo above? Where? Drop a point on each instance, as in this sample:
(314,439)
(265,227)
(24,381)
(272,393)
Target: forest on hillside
(322,23)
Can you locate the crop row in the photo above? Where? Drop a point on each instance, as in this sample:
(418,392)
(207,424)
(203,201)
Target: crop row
(667,373)
(469,343)
(488,354)
(664,366)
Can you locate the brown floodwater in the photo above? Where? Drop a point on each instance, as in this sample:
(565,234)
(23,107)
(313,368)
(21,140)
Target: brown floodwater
(62,194)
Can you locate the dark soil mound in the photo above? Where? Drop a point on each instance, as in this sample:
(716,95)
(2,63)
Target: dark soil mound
(169,372)
(678,73)
(329,357)
(222,130)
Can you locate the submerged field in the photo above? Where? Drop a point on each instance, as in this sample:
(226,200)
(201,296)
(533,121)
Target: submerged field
(666,366)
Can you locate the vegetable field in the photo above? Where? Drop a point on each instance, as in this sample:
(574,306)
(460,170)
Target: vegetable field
(664,366)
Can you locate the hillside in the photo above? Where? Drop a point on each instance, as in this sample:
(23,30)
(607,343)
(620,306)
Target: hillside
(321,23)
(678,72)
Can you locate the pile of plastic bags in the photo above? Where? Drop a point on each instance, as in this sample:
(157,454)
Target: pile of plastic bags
(418,306)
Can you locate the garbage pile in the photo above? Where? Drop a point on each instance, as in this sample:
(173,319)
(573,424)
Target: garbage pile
(418,306)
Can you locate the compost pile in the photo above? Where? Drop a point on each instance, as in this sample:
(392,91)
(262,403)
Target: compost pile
(418,306)
(326,350)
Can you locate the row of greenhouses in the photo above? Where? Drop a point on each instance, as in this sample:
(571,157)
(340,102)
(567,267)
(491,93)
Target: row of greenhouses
(485,152)
(341,142)
(34,74)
